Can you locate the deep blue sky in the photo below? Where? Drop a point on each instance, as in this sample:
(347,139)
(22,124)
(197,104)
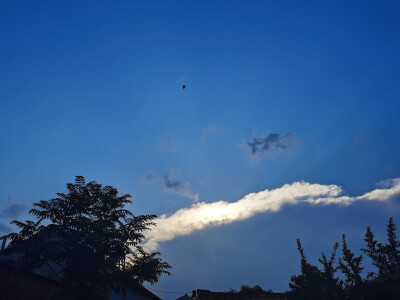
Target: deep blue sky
(94,88)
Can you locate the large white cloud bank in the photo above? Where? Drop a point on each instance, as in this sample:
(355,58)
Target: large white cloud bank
(201,215)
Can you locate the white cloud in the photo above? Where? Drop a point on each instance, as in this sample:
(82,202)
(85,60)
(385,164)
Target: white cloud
(392,189)
(201,215)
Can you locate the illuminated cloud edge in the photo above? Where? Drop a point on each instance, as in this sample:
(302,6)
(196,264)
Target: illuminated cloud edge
(201,215)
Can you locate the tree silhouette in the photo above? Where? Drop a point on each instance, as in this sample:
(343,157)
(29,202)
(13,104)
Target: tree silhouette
(331,285)
(350,266)
(314,283)
(88,240)
(386,258)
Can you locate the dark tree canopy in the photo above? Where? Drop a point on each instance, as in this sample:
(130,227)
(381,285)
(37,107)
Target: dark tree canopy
(257,290)
(88,240)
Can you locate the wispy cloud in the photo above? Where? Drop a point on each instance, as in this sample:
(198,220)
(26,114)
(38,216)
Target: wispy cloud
(168,144)
(201,215)
(170,184)
(270,144)
(13,210)
(361,140)
(207,131)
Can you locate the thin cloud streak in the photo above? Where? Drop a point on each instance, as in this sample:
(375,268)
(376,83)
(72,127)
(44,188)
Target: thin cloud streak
(201,215)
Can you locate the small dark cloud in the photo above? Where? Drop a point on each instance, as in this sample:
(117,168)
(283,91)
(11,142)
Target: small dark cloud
(182,188)
(174,184)
(170,184)
(272,143)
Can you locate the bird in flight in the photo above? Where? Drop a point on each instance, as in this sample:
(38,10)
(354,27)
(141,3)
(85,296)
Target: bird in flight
(183,86)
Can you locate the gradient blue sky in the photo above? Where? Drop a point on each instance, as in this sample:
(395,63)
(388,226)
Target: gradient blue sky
(94,88)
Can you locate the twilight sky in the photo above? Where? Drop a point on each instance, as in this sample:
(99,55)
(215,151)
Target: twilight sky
(288,127)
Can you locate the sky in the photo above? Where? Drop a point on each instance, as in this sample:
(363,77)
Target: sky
(288,126)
